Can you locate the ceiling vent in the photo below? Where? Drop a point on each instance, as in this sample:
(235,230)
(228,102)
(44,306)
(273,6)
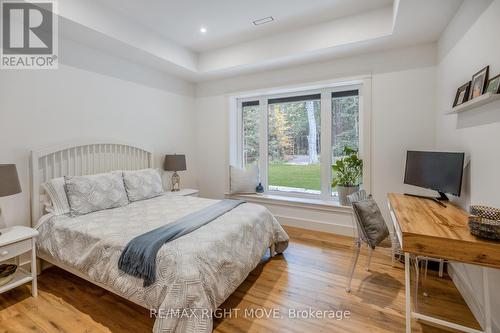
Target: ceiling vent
(264,20)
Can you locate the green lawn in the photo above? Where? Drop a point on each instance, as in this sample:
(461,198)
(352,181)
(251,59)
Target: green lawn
(301,176)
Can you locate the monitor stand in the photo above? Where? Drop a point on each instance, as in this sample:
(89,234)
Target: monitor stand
(442,197)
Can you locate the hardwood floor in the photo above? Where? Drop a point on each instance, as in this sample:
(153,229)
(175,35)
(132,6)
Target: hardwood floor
(311,274)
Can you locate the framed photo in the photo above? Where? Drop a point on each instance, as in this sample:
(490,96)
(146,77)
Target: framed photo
(494,85)
(462,94)
(478,84)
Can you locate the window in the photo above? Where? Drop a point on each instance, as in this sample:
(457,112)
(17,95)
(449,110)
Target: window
(250,120)
(294,144)
(294,138)
(345,123)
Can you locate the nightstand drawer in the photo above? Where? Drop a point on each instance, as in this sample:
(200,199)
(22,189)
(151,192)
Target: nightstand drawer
(15,249)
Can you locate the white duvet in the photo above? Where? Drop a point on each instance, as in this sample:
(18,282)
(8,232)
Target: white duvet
(197,271)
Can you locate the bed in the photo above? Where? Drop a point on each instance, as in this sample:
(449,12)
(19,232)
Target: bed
(197,271)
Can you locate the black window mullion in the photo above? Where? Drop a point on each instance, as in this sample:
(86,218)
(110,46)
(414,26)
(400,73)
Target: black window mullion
(345,93)
(294,99)
(250,103)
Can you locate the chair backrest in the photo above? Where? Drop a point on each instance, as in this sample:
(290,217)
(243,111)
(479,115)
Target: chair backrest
(355,197)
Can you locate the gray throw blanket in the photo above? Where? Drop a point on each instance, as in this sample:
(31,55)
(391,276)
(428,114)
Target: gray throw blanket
(139,256)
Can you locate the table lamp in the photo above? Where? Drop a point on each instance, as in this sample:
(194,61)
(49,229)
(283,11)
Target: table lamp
(175,163)
(9,185)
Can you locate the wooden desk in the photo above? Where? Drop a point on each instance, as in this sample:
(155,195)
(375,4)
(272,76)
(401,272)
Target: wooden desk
(425,228)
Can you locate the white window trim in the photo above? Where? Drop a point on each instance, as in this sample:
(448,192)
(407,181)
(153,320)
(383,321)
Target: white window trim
(362,84)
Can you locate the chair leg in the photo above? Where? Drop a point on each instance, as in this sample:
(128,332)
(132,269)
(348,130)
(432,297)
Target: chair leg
(424,281)
(393,252)
(357,246)
(394,247)
(441,268)
(369,260)
(417,276)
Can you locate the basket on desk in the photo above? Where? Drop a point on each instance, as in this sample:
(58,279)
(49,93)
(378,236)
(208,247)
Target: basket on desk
(485,222)
(485,212)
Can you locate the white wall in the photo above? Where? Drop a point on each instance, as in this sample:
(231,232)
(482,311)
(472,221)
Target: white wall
(402,112)
(105,97)
(462,52)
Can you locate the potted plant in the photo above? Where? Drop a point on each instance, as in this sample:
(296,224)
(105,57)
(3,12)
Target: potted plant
(347,173)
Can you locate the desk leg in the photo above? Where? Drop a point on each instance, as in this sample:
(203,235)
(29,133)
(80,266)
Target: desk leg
(487,305)
(407,293)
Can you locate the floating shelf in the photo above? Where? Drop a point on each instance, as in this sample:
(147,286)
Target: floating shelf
(475,103)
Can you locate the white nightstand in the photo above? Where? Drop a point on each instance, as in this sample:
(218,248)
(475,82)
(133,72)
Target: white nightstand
(186,192)
(15,241)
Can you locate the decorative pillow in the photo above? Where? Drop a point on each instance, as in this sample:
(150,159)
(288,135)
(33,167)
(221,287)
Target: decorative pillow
(57,194)
(372,221)
(243,180)
(87,194)
(143,184)
(47,204)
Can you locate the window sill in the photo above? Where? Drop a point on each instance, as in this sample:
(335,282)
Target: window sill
(282,200)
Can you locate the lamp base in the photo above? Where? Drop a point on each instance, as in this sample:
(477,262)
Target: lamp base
(176,182)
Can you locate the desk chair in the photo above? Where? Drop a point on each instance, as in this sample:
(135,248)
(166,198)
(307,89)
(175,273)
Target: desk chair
(361,237)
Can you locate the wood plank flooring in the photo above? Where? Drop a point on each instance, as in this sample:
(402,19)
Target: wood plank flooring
(311,274)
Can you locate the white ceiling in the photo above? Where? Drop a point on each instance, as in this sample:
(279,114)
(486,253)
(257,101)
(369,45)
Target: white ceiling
(164,34)
(230,21)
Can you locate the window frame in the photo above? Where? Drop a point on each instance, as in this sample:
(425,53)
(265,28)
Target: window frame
(236,143)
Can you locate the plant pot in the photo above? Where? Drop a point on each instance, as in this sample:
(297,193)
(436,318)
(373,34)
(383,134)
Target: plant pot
(344,191)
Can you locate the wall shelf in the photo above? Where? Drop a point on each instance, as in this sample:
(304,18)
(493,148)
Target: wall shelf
(475,103)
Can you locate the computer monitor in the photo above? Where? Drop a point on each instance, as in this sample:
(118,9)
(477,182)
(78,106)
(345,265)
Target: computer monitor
(438,171)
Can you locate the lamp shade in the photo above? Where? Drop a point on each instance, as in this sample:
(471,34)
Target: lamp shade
(175,163)
(9,181)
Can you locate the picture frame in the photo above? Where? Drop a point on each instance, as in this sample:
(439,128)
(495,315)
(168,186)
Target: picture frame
(493,85)
(462,94)
(478,83)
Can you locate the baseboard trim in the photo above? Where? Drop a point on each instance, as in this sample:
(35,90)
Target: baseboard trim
(316,225)
(469,297)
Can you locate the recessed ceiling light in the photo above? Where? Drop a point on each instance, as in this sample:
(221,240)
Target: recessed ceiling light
(203,30)
(264,20)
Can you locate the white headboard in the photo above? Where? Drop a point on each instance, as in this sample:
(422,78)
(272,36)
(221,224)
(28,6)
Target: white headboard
(81,159)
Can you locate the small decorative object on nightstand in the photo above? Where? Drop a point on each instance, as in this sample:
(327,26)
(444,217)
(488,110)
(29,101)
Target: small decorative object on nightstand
(185,192)
(14,242)
(9,185)
(175,163)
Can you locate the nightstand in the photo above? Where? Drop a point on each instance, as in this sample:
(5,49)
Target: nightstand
(185,192)
(15,241)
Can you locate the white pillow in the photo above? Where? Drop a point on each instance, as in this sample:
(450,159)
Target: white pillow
(57,194)
(47,203)
(87,194)
(243,180)
(143,184)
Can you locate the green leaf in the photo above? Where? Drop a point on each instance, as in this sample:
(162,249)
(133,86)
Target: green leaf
(348,170)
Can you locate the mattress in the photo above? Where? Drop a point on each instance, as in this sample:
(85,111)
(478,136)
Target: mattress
(197,271)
